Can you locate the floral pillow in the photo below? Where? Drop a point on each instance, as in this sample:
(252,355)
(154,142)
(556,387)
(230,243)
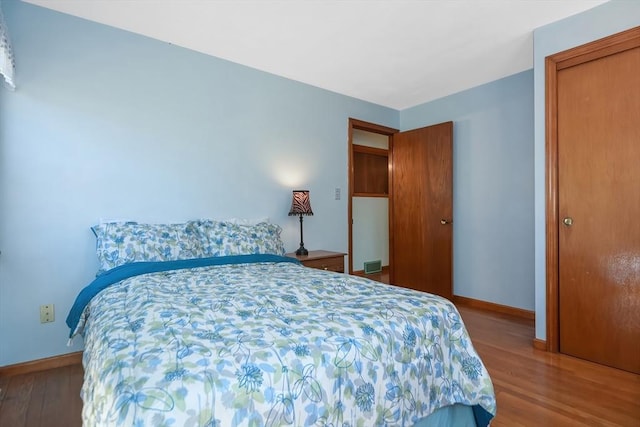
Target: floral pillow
(119,243)
(262,238)
(223,238)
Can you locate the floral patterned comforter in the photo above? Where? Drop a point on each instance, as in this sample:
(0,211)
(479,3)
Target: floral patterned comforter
(271,344)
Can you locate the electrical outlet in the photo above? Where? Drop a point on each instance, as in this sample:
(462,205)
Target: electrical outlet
(47,313)
(337,196)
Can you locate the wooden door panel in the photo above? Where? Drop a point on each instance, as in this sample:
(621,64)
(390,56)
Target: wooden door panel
(599,190)
(422,172)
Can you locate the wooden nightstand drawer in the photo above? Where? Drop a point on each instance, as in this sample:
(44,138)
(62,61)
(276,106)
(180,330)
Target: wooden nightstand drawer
(322,260)
(333,264)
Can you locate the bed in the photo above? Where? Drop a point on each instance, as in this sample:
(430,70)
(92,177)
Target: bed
(210,325)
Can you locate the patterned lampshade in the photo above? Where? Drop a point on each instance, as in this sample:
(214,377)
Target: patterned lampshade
(300,204)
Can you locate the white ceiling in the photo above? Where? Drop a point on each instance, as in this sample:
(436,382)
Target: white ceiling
(394,53)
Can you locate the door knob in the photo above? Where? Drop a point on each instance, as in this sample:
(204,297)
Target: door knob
(444,222)
(568,221)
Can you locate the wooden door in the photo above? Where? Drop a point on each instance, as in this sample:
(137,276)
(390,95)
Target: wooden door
(598,128)
(422,208)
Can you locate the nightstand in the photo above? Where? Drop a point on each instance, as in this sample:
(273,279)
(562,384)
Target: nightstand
(322,260)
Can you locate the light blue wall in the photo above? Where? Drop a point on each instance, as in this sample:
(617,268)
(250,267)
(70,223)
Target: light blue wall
(492,187)
(599,22)
(370,231)
(108,124)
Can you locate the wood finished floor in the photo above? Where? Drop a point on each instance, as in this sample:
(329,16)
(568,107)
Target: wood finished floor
(533,388)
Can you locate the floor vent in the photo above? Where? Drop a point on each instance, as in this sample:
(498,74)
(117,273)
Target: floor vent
(372,267)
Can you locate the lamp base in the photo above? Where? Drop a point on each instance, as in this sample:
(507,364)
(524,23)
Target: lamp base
(302,251)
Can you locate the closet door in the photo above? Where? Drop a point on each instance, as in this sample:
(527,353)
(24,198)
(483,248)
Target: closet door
(599,208)
(422,208)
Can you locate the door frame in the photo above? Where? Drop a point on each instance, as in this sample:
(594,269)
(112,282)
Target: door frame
(611,45)
(373,128)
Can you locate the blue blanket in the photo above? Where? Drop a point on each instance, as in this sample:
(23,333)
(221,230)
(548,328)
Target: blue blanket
(137,268)
(272,343)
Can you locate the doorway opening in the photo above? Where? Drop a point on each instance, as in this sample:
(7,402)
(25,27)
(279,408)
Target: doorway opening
(369,199)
